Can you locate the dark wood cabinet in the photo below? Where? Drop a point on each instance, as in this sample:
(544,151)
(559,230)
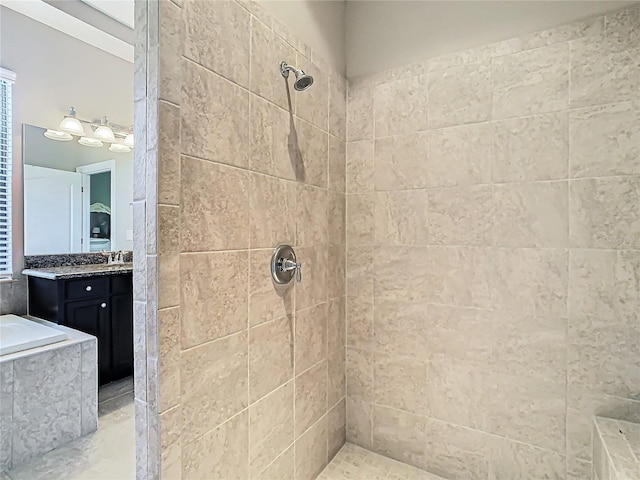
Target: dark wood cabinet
(98,305)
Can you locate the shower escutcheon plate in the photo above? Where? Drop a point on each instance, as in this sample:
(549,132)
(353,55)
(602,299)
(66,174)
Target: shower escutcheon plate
(284,265)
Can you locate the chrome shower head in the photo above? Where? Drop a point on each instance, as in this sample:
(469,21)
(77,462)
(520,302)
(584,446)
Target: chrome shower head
(303,81)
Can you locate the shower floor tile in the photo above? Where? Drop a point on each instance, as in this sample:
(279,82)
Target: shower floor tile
(356,463)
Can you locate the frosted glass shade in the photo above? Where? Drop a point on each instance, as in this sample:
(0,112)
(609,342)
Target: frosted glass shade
(90,142)
(128,140)
(58,136)
(71,125)
(104,133)
(119,148)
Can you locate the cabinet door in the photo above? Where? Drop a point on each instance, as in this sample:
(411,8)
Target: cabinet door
(122,335)
(92,317)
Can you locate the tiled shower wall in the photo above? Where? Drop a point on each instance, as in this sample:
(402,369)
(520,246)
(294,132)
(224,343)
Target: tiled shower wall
(493,253)
(247,379)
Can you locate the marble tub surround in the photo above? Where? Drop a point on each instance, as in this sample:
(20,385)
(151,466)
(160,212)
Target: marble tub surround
(241,379)
(73,271)
(616,454)
(69,259)
(49,397)
(493,254)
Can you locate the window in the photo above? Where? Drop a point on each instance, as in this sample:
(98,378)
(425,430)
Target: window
(6,83)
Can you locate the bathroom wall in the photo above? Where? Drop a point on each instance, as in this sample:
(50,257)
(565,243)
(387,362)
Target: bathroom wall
(241,379)
(493,253)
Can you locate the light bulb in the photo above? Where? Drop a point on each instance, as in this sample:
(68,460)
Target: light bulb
(104,132)
(70,124)
(58,136)
(90,142)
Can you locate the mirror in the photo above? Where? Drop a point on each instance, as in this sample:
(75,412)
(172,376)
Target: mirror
(76,198)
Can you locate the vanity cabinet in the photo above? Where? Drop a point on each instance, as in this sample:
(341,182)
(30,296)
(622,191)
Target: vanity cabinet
(99,305)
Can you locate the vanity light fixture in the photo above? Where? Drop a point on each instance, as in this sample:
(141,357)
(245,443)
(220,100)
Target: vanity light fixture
(128,140)
(90,142)
(58,135)
(70,124)
(104,132)
(119,148)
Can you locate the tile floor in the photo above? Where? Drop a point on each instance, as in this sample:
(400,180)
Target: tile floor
(107,454)
(356,463)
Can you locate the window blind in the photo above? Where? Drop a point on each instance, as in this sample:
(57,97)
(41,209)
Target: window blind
(6,84)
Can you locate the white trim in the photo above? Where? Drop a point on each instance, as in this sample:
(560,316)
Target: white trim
(54,18)
(87,170)
(7,75)
(120,10)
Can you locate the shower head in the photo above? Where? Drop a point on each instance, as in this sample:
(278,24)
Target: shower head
(303,81)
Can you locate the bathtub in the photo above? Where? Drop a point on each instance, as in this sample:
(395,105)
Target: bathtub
(18,334)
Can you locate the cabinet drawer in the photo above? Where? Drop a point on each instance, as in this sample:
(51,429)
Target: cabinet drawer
(122,284)
(86,288)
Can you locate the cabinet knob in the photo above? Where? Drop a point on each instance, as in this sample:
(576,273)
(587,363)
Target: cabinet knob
(89,288)
(103,305)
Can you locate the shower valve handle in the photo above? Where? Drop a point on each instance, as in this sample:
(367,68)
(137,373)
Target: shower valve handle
(287,265)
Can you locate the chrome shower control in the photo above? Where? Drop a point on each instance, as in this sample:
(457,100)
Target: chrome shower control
(284,265)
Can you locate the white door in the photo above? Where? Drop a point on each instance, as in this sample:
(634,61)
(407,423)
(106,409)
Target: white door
(52,211)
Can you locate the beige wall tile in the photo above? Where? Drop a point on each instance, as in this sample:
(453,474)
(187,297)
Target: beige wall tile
(458,393)
(313,105)
(456,452)
(336,335)
(401,218)
(311,451)
(459,276)
(401,107)
(359,169)
(459,95)
(531,281)
(531,215)
(270,356)
(517,461)
(336,271)
(169,358)
(337,211)
(461,155)
(215,116)
(267,300)
(272,146)
(214,206)
(401,162)
(206,22)
(461,215)
(359,322)
(282,468)
(214,295)
(272,205)
(360,219)
(605,140)
(310,397)
(531,148)
(171,37)
(407,283)
(401,382)
(168,154)
(214,384)
(313,288)
(271,427)
(359,114)
(604,213)
(603,70)
(336,428)
(530,82)
(267,51)
(401,327)
(399,435)
(338,106)
(171,444)
(359,417)
(533,411)
(309,153)
(337,164)
(336,388)
(312,227)
(359,271)
(360,374)
(168,250)
(310,337)
(220,453)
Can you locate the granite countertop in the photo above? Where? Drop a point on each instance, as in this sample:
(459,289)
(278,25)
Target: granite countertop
(77,271)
